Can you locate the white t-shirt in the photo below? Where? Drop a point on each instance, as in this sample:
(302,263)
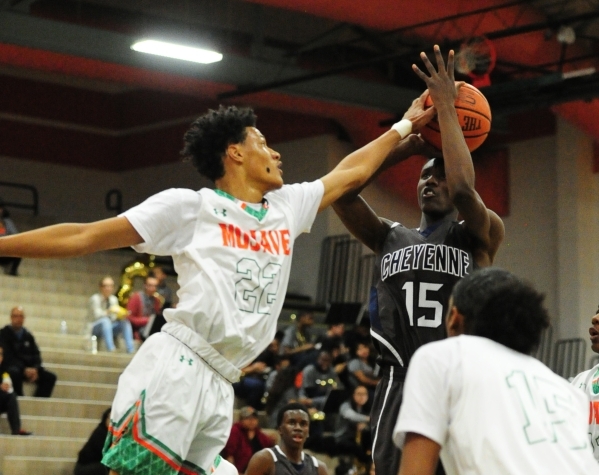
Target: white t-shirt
(232,260)
(494,411)
(588,381)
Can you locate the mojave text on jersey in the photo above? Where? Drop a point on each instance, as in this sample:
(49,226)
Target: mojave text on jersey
(434,257)
(273,241)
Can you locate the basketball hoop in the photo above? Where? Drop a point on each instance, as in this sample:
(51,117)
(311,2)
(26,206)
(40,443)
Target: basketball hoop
(476,58)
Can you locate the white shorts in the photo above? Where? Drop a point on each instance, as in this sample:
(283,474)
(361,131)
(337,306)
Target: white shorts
(173,408)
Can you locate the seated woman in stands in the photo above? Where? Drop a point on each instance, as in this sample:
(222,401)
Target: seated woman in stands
(352,432)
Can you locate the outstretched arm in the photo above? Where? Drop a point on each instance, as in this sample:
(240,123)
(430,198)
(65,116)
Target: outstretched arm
(358,167)
(482,223)
(71,240)
(354,212)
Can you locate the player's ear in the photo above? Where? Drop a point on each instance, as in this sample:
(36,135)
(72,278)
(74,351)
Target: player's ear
(234,152)
(454,322)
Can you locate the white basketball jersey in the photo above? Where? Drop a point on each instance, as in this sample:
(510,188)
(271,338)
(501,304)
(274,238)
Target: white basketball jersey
(234,262)
(515,416)
(588,381)
(503,412)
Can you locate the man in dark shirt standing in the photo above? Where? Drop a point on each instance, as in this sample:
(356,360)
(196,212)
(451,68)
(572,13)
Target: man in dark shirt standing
(23,358)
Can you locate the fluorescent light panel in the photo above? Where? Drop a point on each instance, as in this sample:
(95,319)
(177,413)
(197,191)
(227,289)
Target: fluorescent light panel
(172,50)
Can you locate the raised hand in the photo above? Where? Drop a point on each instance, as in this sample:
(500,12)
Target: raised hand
(417,114)
(441,83)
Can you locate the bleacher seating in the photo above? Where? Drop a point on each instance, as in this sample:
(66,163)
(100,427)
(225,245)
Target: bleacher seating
(52,291)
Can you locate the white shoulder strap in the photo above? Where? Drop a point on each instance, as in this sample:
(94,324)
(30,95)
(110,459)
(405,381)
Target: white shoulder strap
(272,452)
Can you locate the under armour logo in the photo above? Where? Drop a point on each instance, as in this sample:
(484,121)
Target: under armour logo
(223,212)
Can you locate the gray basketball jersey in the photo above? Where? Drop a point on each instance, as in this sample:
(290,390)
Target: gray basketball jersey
(284,467)
(414,277)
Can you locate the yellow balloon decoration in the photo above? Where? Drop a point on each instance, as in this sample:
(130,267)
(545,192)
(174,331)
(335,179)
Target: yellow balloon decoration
(139,268)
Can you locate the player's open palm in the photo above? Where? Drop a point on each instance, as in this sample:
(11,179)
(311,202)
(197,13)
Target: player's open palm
(441,83)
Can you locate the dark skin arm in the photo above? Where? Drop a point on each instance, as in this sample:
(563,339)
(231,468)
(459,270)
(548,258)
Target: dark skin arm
(483,224)
(261,463)
(293,351)
(420,455)
(359,218)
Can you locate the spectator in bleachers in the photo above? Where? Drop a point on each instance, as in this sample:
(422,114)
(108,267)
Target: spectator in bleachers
(361,370)
(332,341)
(167,301)
(352,431)
(252,384)
(107,318)
(8,400)
(162,288)
(7,227)
(360,333)
(143,307)
(90,456)
(23,358)
(280,388)
(317,380)
(298,340)
(246,439)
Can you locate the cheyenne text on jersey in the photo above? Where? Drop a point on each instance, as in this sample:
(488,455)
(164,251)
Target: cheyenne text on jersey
(433,257)
(272,241)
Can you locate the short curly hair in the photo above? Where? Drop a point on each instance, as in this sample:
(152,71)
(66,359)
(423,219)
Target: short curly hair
(498,305)
(292,406)
(209,136)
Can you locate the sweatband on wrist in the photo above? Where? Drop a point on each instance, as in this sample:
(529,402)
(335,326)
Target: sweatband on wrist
(403,128)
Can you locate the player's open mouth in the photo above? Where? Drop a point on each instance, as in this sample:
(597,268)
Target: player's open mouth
(428,193)
(297,437)
(593,332)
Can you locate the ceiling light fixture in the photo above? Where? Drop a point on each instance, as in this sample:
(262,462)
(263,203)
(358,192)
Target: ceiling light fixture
(172,50)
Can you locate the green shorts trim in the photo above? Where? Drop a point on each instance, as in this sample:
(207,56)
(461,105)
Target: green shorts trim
(130,450)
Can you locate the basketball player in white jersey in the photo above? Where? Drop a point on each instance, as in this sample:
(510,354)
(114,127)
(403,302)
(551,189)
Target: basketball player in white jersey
(288,457)
(588,381)
(231,247)
(481,402)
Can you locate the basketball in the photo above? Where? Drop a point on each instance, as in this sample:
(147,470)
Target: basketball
(474,115)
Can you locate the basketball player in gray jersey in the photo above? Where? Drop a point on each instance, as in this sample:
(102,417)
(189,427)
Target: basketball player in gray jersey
(288,458)
(417,268)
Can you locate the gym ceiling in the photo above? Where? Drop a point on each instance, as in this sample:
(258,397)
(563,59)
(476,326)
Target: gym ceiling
(73,92)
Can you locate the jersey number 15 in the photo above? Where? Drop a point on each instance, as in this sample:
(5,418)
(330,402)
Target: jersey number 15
(423,302)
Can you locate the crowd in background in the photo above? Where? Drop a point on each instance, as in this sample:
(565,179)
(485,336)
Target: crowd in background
(331,372)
